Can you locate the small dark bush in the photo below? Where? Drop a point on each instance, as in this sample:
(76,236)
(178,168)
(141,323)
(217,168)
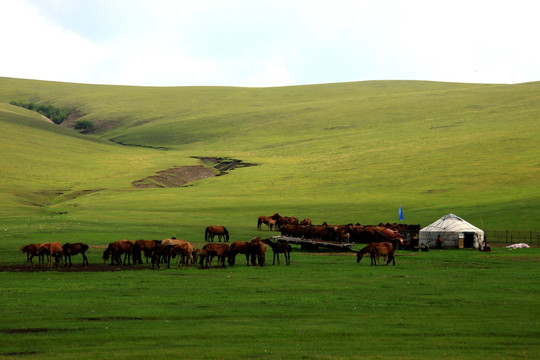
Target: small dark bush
(84,125)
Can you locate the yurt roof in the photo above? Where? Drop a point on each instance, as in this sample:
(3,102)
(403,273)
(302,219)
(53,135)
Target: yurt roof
(451,222)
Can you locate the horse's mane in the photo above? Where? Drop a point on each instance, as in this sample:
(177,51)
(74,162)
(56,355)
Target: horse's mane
(25,248)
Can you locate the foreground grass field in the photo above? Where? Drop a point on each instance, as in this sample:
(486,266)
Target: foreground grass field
(455,304)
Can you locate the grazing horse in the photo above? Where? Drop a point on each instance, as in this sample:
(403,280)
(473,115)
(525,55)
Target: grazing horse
(115,251)
(385,249)
(143,246)
(54,249)
(213,250)
(280,247)
(184,251)
(30,250)
(257,251)
(371,249)
(213,230)
(238,247)
(42,251)
(200,254)
(161,253)
(74,249)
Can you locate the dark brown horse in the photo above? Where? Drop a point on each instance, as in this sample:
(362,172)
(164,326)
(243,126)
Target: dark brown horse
(216,230)
(371,249)
(74,249)
(280,248)
(115,251)
(257,251)
(213,250)
(238,247)
(289,220)
(162,253)
(30,250)
(143,246)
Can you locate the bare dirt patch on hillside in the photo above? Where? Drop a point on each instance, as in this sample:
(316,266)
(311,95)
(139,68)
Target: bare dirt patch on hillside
(183,175)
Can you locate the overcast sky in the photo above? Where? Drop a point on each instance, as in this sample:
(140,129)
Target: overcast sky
(261,43)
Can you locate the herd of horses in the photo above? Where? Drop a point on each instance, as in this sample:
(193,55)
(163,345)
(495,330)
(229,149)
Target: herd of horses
(382,240)
(160,252)
(349,233)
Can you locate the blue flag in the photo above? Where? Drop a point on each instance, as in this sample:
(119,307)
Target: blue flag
(400,214)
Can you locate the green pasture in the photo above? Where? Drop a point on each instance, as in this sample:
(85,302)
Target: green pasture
(351,152)
(455,304)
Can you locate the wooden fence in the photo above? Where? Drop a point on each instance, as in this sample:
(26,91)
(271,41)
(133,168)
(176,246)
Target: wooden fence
(507,237)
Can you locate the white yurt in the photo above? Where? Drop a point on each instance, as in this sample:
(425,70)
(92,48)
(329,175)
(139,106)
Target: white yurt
(454,231)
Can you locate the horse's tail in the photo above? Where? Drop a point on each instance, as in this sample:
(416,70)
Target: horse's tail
(206,234)
(226,234)
(24,248)
(107,253)
(259,223)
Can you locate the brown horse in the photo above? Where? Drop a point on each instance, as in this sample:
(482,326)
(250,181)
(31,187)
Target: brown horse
(42,251)
(162,253)
(213,250)
(74,249)
(257,251)
(280,248)
(143,246)
(238,247)
(184,251)
(271,221)
(200,254)
(30,250)
(115,251)
(54,250)
(371,249)
(385,249)
(216,230)
(289,220)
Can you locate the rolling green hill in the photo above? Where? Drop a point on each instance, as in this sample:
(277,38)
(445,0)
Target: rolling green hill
(350,152)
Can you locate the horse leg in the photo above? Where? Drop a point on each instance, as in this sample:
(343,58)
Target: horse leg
(85,260)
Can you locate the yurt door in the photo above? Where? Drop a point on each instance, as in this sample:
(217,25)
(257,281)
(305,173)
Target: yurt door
(469,240)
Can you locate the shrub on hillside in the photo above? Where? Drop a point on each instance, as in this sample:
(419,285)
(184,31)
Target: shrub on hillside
(84,125)
(57,115)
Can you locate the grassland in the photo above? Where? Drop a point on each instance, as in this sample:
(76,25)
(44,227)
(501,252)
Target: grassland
(351,152)
(442,304)
(340,153)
